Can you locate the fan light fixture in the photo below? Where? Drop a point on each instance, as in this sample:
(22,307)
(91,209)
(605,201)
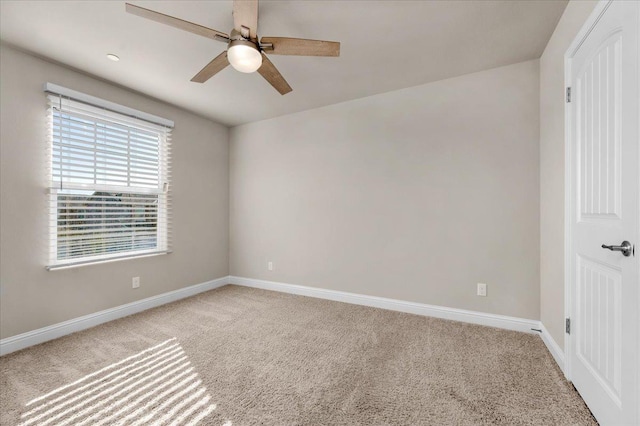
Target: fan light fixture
(244,56)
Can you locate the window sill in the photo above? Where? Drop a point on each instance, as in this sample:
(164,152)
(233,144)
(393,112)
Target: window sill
(81,263)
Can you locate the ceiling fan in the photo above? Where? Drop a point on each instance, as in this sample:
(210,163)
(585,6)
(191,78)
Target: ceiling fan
(245,53)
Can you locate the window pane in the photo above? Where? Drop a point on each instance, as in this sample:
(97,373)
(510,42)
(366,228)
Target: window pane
(101,223)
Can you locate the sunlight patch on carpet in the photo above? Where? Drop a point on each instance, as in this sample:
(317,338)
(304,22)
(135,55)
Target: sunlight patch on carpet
(156,386)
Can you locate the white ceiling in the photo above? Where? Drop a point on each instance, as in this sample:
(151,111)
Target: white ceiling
(386,45)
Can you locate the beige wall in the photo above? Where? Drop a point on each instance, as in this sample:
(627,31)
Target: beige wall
(552,104)
(31,297)
(416,194)
(366,196)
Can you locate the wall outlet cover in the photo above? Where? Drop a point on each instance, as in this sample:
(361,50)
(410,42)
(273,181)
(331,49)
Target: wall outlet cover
(482,289)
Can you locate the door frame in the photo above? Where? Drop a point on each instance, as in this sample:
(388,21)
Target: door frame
(569,207)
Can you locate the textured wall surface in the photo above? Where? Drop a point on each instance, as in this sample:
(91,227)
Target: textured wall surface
(416,194)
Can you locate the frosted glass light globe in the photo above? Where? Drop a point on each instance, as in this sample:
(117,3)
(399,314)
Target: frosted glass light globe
(244,56)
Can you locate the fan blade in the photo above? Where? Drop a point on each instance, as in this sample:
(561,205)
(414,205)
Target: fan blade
(301,47)
(177,23)
(219,63)
(273,76)
(245,14)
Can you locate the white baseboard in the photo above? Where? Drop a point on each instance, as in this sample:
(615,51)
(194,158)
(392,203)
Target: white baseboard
(21,341)
(552,346)
(481,318)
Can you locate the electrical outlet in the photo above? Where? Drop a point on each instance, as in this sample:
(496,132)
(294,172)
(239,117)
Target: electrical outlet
(482,289)
(135,282)
(270,266)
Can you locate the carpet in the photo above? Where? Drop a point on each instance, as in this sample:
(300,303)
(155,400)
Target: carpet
(242,356)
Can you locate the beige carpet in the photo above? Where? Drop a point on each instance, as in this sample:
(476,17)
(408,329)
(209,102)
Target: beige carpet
(240,356)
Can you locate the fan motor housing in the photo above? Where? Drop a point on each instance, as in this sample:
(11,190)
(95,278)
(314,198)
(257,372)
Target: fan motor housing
(243,42)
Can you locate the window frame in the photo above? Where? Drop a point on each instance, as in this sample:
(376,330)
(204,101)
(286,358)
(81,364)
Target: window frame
(131,117)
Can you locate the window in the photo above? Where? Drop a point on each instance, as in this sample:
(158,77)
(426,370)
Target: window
(109,190)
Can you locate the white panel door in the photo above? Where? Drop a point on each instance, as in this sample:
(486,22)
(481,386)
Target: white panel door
(605,187)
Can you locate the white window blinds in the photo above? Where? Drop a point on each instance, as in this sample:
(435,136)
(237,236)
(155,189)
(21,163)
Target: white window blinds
(109,194)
